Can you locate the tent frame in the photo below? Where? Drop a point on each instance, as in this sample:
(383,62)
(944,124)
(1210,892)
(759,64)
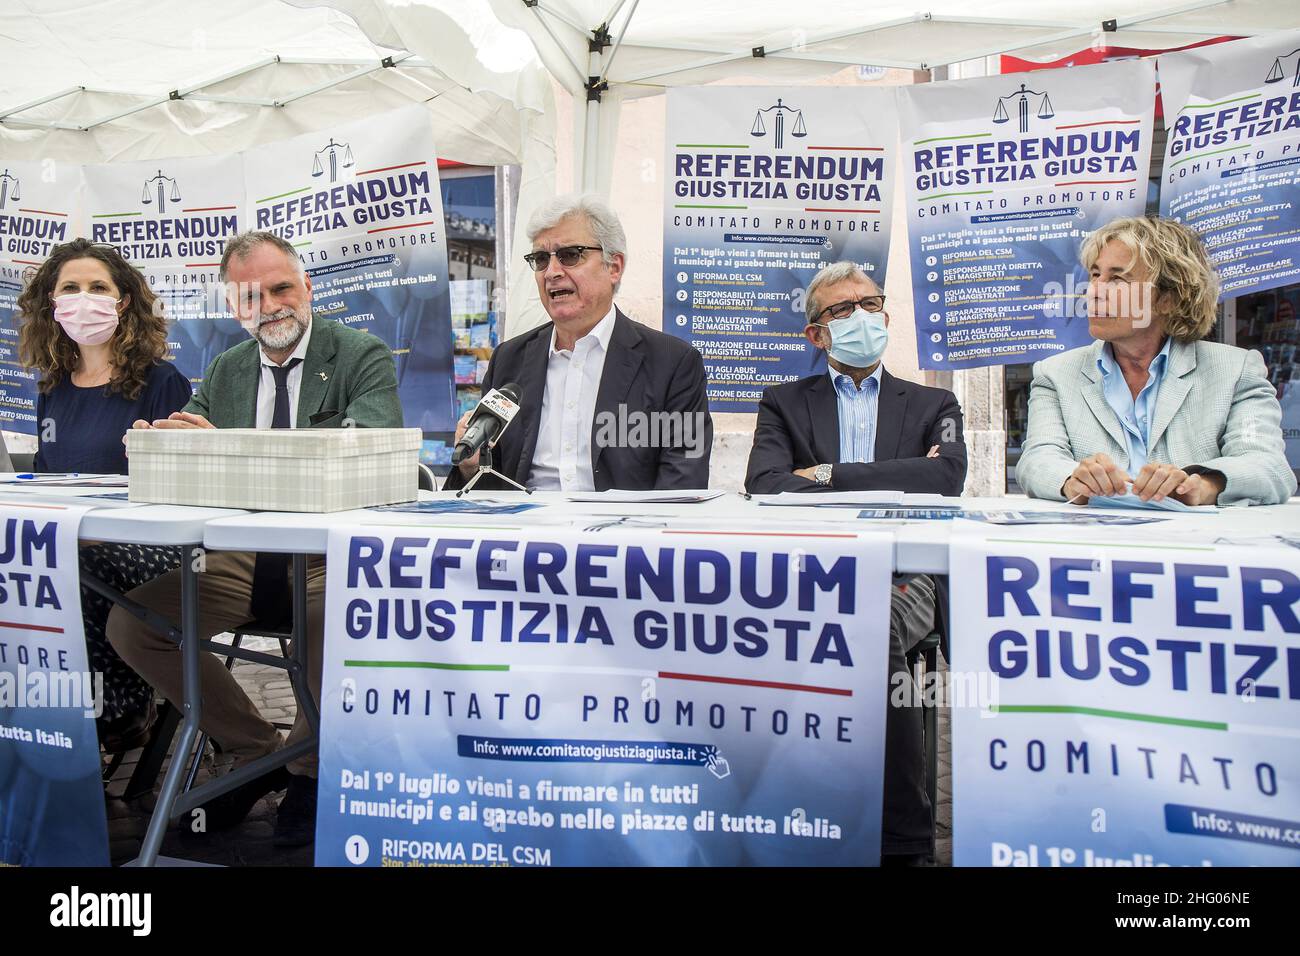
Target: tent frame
(362,67)
(595,80)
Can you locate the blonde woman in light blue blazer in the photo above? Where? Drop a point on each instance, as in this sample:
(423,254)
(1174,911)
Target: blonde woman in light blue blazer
(1150,407)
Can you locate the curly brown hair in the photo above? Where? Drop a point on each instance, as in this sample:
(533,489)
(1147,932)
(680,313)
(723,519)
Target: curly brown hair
(138,344)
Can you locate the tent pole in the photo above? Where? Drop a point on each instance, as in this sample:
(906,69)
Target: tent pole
(43,100)
(591,136)
(621,33)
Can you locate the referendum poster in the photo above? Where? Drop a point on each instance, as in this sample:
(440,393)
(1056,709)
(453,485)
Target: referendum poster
(546,697)
(1145,704)
(38,211)
(764,186)
(1005,176)
(1232,157)
(360,201)
(171,219)
(51,795)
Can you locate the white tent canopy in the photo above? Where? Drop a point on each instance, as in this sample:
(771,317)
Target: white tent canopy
(138,79)
(638,47)
(127,80)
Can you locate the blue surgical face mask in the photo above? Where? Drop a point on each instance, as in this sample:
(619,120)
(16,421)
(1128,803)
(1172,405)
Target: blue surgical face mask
(859,340)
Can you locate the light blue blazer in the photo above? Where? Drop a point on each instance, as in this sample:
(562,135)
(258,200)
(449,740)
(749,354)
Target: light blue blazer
(1215,409)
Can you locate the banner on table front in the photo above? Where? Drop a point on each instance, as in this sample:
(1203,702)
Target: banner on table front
(51,796)
(1232,158)
(1147,705)
(764,186)
(359,201)
(540,697)
(39,208)
(1005,176)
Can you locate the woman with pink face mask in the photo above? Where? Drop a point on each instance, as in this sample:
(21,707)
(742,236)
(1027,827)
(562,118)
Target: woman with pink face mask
(95,333)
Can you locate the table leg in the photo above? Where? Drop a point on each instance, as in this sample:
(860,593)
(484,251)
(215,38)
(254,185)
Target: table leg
(192,710)
(298,677)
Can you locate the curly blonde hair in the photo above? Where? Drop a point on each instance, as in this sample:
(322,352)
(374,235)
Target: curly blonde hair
(1185,286)
(138,344)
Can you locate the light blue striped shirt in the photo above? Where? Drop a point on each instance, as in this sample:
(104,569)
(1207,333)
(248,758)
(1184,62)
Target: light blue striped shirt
(858,407)
(1135,414)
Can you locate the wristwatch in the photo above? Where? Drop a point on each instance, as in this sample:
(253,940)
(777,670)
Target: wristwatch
(822,474)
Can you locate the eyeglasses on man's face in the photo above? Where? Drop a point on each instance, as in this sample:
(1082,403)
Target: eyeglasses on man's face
(842,310)
(568,256)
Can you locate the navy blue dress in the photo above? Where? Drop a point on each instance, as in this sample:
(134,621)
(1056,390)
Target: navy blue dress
(88,425)
(89,422)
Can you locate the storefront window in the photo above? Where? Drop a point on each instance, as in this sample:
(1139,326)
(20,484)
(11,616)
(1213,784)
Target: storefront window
(1270,323)
(470,214)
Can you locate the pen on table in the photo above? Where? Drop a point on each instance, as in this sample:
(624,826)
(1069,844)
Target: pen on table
(28,476)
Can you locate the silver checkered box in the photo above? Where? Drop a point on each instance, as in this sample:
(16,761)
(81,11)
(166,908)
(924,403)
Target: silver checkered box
(306,469)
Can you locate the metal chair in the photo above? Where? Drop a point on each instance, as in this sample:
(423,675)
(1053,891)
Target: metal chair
(925,653)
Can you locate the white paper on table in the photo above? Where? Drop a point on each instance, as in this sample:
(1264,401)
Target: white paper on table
(854,499)
(814,499)
(1130,500)
(70,480)
(622,497)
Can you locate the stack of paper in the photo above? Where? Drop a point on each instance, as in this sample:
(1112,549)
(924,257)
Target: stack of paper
(617,496)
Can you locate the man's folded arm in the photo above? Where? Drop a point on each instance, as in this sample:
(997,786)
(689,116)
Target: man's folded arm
(941,475)
(771,460)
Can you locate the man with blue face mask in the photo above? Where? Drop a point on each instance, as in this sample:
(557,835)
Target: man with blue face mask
(857,428)
(854,427)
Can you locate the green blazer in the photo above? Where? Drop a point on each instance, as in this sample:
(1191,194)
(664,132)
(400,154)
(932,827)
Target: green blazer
(346,374)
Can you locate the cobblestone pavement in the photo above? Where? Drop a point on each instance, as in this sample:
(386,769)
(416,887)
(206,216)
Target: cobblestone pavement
(249,844)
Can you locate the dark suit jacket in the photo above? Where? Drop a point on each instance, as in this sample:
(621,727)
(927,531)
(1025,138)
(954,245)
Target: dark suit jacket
(799,426)
(346,374)
(645,371)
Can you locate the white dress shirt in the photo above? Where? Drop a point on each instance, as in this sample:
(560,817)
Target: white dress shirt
(266,384)
(562,458)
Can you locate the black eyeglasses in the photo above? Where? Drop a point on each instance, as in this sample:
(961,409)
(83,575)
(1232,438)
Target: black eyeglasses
(54,250)
(842,310)
(568,256)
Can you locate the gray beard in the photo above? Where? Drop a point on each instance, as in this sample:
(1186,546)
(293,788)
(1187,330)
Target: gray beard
(287,337)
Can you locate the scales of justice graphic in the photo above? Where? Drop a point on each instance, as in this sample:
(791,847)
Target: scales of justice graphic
(331,153)
(1279,72)
(156,186)
(779,111)
(1020,101)
(8,191)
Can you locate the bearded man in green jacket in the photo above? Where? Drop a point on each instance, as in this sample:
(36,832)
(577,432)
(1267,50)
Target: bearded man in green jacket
(296,372)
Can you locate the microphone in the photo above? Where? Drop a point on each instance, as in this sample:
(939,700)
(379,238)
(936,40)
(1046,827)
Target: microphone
(494,412)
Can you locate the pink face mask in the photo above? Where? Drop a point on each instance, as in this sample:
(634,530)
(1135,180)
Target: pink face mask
(88,319)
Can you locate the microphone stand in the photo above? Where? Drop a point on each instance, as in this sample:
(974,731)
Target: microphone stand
(485,468)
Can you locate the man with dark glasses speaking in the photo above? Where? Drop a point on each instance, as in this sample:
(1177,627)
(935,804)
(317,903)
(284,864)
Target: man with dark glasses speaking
(604,402)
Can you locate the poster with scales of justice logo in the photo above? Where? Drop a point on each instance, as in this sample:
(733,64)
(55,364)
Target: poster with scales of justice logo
(171,219)
(1232,159)
(361,203)
(764,186)
(39,209)
(1005,176)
